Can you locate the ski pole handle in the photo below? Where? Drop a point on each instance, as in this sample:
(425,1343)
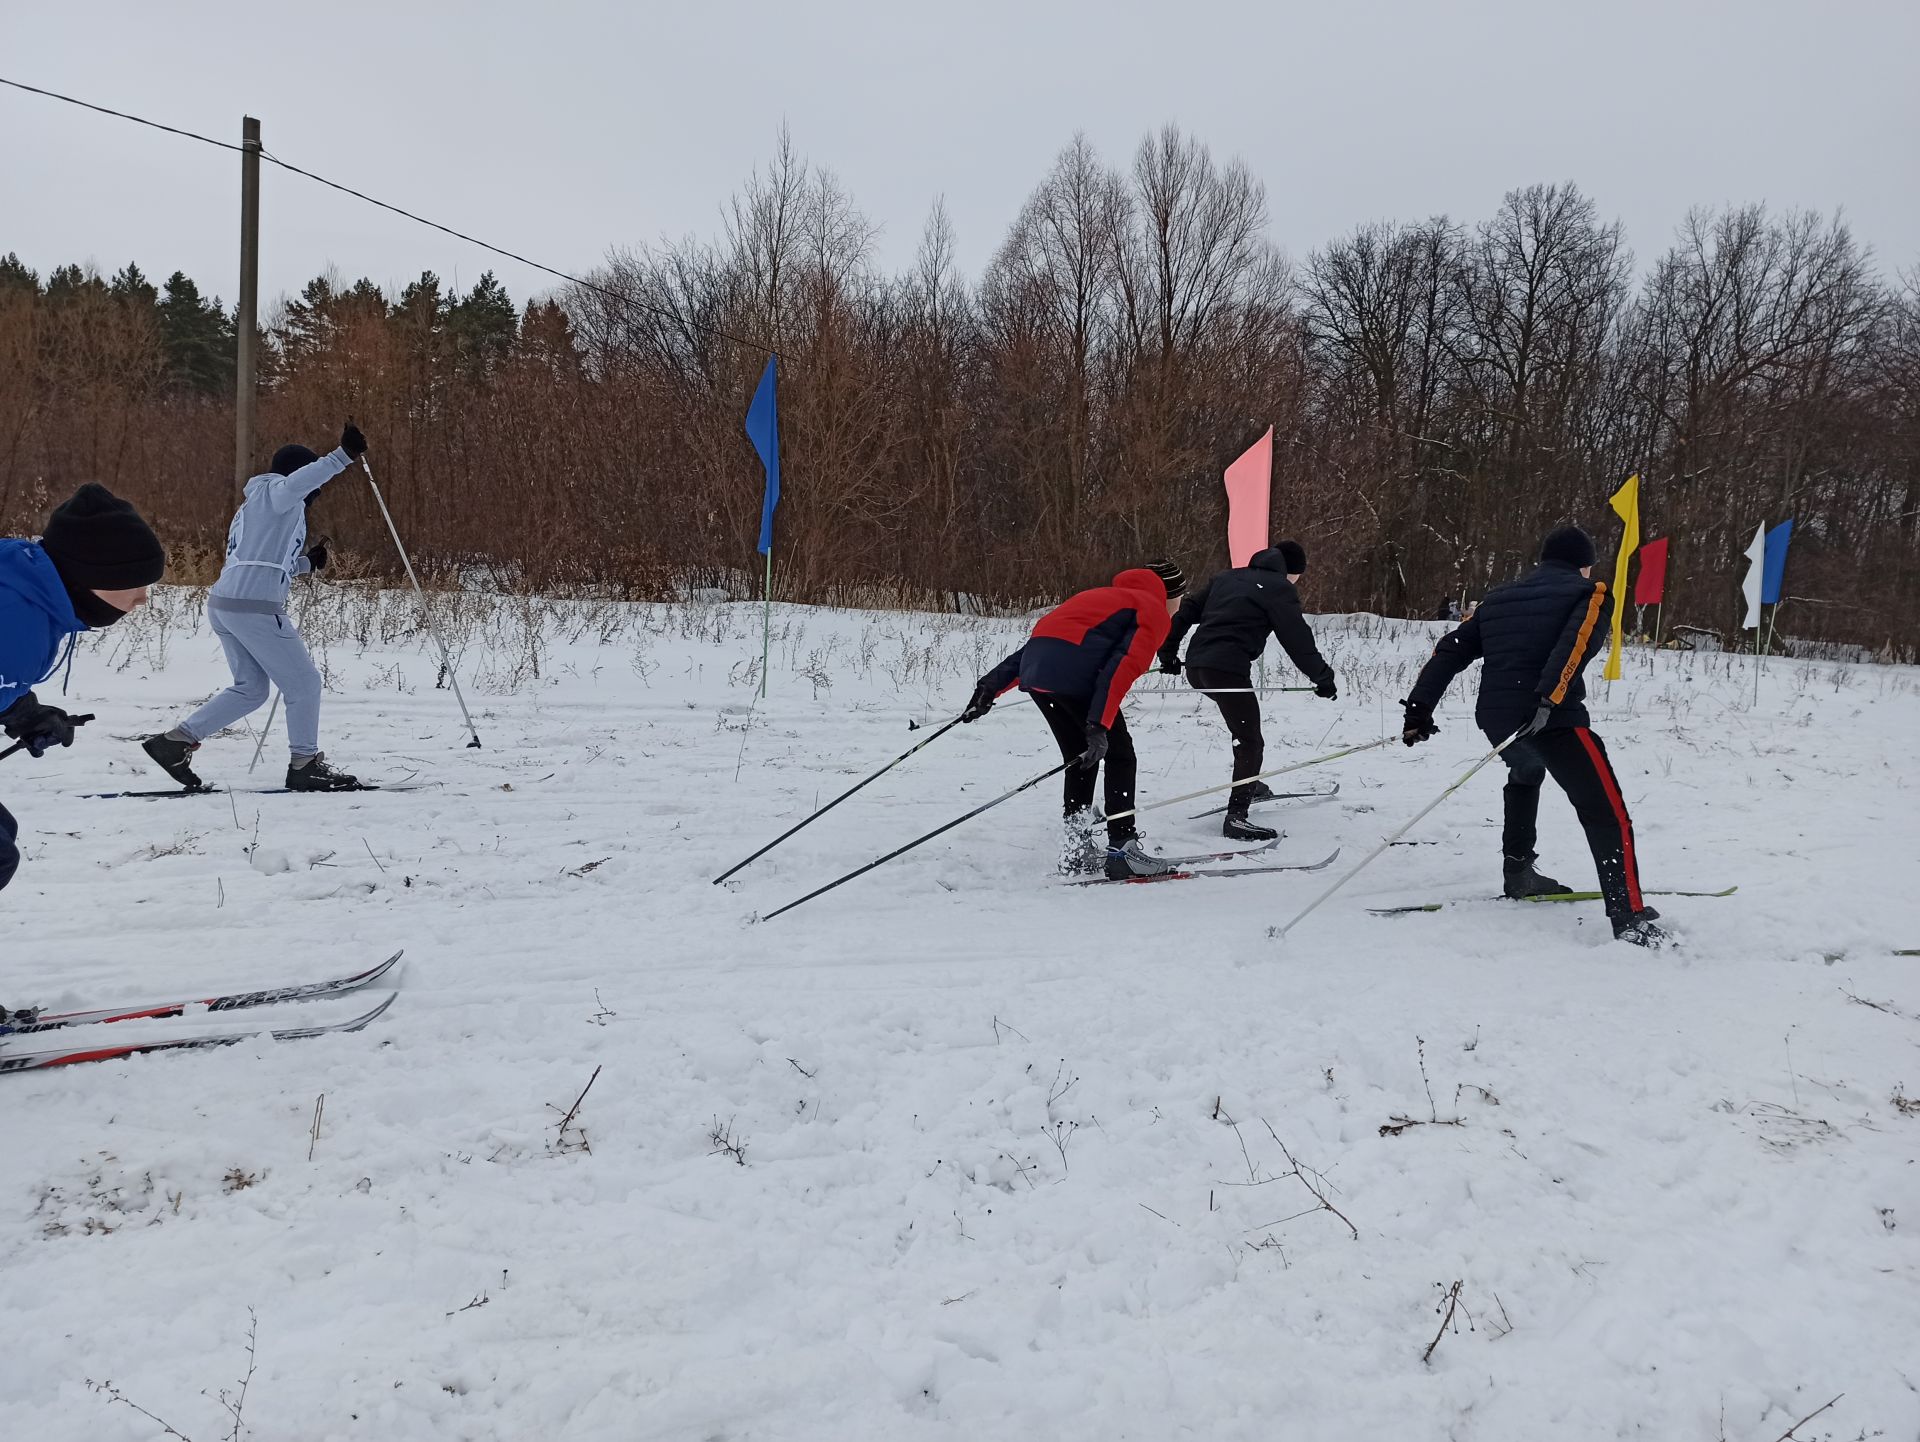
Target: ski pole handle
(27,745)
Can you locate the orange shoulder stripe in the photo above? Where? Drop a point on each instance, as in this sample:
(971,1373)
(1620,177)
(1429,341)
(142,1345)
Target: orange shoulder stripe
(1579,651)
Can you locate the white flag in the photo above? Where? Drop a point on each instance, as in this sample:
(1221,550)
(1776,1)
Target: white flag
(1750,587)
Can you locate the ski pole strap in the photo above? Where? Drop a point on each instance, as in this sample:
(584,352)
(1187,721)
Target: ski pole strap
(1007,796)
(926,741)
(1249,780)
(1279,933)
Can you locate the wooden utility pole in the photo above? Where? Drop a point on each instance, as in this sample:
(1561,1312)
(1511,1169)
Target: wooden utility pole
(248,306)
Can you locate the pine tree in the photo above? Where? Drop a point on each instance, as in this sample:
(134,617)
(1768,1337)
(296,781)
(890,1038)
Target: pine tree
(15,276)
(546,341)
(481,329)
(133,290)
(70,283)
(198,338)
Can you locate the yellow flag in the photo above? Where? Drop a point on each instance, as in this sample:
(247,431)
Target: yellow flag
(1626,504)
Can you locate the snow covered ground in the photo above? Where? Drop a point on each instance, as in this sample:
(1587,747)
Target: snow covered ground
(955,1151)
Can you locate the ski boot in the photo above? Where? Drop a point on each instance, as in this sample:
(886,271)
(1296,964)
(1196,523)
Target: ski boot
(1237,827)
(1639,929)
(172,756)
(1259,791)
(1523,881)
(1130,861)
(313,774)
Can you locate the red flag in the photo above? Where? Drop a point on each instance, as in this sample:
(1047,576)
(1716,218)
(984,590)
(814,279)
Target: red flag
(1249,494)
(1651,584)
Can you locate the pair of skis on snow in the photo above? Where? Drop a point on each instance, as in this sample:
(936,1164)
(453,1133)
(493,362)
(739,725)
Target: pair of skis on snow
(92,1045)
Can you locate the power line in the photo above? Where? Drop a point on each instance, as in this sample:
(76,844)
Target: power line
(273,159)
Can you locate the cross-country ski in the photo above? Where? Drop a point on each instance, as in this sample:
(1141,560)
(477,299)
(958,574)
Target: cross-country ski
(34,1020)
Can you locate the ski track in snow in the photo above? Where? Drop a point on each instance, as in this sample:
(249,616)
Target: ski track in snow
(988,1186)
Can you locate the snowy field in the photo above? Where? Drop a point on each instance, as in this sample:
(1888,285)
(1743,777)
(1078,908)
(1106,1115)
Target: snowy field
(955,1151)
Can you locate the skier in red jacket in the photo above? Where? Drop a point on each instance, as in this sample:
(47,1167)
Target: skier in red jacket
(1077,666)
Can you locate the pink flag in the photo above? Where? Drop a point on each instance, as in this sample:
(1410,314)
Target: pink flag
(1249,494)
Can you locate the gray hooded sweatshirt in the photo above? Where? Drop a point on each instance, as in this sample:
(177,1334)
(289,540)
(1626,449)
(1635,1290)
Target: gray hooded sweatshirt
(267,537)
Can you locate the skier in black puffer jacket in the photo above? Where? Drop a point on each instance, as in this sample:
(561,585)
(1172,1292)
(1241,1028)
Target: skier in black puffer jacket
(1236,611)
(1534,636)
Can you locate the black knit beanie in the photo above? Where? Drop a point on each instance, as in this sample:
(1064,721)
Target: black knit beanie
(1171,576)
(97,542)
(1295,556)
(1570,545)
(289,459)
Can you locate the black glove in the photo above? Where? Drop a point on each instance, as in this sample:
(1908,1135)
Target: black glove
(352,442)
(1419,724)
(1096,751)
(1326,690)
(39,726)
(317,554)
(1540,719)
(979,705)
(1170,665)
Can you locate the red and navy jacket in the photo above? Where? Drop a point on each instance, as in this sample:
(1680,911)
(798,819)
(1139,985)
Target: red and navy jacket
(1094,646)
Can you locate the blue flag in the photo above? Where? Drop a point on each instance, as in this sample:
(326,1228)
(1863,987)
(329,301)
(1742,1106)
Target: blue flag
(1773,572)
(763,429)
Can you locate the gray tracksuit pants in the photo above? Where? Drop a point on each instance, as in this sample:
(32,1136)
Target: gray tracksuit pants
(262,647)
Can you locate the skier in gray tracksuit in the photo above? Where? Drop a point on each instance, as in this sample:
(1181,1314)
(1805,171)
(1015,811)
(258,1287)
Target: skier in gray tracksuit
(247,610)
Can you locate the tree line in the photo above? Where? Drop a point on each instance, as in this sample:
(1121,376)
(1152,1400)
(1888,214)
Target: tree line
(1442,393)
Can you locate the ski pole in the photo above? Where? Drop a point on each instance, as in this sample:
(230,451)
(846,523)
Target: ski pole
(837,800)
(1007,796)
(1218,690)
(1279,933)
(26,745)
(445,659)
(1249,780)
(264,730)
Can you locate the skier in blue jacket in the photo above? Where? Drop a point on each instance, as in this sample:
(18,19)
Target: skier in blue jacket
(92,566)
(247,609)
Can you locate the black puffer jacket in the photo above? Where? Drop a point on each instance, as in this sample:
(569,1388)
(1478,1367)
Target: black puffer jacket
(1236,611)
(1535,635)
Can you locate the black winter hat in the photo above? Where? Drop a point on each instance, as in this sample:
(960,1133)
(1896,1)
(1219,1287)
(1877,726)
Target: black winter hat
(1570,545)
(97,542)
(1295,555)
(1171,576)
(289,459)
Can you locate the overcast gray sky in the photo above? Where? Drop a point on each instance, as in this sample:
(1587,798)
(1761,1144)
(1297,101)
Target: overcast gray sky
(559,129)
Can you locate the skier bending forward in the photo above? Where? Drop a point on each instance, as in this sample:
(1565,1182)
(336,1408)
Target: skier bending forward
(1535,634)
(1077,666)
(93,565)
(247,609)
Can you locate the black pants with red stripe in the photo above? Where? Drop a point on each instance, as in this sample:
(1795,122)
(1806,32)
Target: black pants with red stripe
(1577,761)
(1067,715)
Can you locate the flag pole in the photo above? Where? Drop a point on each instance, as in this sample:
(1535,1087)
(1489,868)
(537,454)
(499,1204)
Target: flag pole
(1659,615)
(766,624)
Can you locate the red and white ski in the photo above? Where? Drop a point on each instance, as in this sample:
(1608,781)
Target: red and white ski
(90,1046)
(233,1001)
